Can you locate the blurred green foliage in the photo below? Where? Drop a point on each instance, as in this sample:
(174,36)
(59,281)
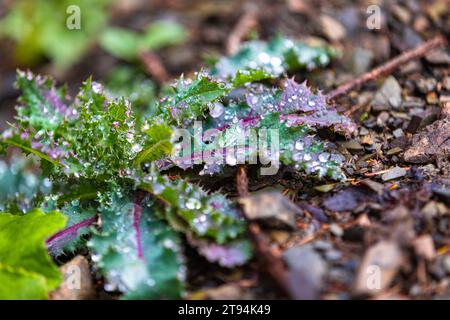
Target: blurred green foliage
(134,84)
(42,29)
(39,29)
(127,44)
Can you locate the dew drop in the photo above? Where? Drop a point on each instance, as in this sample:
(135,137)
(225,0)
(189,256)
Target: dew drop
(299,145)
(193,204)
(323,157)
(216,110)
(136,148)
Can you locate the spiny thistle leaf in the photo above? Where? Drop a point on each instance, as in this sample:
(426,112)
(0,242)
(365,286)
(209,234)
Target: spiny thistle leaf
(294,113)
(98,141)
(303,107)
(206,215)
(73,237)
(138,254)
(191,98)
(157,145)
(234,253)
(273,58)
(243,77)
(28,147)
(21,188)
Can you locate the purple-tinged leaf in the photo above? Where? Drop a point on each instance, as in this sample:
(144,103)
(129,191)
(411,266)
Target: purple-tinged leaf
(56,243)
(233,254)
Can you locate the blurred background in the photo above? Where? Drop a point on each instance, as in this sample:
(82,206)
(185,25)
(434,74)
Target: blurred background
(135,45)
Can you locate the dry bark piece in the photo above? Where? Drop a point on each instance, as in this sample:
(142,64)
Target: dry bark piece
(77,283)
(272,208)
(380,265)
(430,144)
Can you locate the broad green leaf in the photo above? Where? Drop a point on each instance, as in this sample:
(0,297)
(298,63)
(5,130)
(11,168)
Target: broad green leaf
(162,34)
(120,42)
(127,44)
(26,269)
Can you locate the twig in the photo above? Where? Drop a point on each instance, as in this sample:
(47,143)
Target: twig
(242,181)
(247,22)
(154,66)
(389,66)
(270,260)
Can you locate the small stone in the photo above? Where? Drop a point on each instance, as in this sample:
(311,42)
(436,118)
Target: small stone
(322,245)
(363,131)
(353,145)
(424,247)
(438,56)
(426,85)
(332,28)
(367,140)
(430,210)
(401,13)
(398,133)
(362,60)
(223,292)
(279,236)
(271,208)
(446,263)
(446,109)
(375,186)
(432,98)
(394,173)
(420,24)
(389,94)
(336,230)
(306,271)
(394,151)
(446,83)
(413,102)
(383,118)
(333,255)
(77,283)
(385,258)
(410,67)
